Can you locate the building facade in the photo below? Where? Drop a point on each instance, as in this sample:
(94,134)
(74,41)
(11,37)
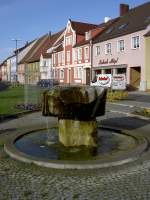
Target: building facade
(71,58)
(77,53)
(22,53)
(121,48)
(147,59)
(4,71)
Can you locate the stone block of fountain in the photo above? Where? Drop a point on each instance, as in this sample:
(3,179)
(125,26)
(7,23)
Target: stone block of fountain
(76,108)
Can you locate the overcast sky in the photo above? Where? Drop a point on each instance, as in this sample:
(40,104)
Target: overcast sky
(29,19)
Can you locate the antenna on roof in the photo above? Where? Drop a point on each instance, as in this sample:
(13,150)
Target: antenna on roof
(49,33)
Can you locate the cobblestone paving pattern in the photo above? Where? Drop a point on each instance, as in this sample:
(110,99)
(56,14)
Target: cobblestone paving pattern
(19,181)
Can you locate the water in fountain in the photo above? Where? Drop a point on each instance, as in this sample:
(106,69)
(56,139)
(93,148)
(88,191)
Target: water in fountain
(77,136)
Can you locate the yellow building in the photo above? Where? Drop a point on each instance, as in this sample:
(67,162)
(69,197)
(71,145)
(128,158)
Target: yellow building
(147,59)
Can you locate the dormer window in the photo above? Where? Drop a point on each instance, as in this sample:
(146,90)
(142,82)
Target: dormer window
(88,35)
(109,30)
(122,26)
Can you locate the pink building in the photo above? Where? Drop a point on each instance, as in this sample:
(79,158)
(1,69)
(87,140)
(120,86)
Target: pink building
(121,47)
(71,57)
(72,63)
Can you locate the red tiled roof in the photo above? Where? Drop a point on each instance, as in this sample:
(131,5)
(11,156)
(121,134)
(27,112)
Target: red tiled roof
(59,42)
(32,50)
(59,48)
(81,27)
(40,47)
(94,33)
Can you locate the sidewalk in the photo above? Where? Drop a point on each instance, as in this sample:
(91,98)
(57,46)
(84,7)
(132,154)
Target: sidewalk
(136,99)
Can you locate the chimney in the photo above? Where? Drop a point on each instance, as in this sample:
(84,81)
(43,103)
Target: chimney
(124,8)
(107,19)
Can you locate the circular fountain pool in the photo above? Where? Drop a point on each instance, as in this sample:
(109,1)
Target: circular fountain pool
(42,148)
(45,144)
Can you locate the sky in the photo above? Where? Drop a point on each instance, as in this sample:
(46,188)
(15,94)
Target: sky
(30,19)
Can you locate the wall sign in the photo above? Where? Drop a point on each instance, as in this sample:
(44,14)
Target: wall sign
(103,80)
(111,61)
(116,82)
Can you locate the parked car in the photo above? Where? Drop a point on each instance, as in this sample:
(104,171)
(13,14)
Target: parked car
(47,82)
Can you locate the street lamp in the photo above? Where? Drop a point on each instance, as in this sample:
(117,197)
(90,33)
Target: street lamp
(16,40)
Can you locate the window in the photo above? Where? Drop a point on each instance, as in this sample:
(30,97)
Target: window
(121,70)
(108,48)
(97,50)
(80,54)
(54,58)
(62,74)
(56,73)
(59,57)
(86,53)
(120,45)
(75,54)
(62,57)
(68,56)
(135,42)
(80,72)
(69,40)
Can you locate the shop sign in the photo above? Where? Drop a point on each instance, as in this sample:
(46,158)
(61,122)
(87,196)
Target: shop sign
(111,61)
(103,80)
(119,82)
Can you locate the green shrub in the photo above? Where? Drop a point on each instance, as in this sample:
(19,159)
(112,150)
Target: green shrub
(116,95)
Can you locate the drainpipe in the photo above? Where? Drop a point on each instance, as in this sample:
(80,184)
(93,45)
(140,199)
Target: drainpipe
(91,47)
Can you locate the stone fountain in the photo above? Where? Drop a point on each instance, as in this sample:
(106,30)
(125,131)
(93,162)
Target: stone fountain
(81,144)
(76,108)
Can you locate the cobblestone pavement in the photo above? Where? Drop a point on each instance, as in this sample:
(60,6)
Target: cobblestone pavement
(19,181)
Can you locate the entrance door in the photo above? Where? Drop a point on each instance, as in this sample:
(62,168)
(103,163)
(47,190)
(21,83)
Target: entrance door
(135,77)
(88,76)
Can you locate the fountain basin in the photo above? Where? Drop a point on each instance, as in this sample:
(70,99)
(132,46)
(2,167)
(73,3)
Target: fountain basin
(114,148)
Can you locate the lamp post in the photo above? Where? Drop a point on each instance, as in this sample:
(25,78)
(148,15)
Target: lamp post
(16,40)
